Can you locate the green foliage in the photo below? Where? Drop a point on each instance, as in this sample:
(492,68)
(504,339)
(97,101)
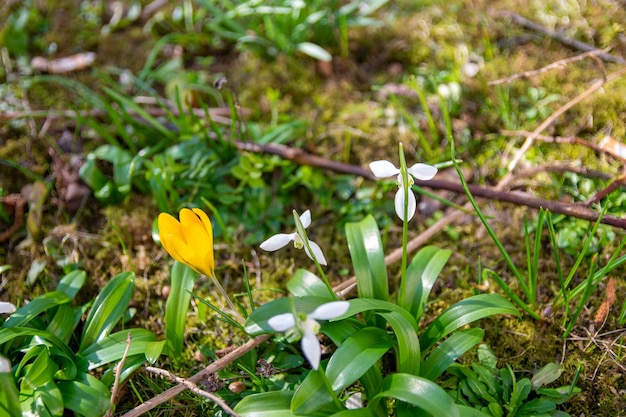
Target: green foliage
(496,392)
(285,27)
(374,327)
(52,357)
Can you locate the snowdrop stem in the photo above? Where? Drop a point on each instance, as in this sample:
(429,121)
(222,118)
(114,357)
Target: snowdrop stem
(305,241)
(329,387)
(405,225)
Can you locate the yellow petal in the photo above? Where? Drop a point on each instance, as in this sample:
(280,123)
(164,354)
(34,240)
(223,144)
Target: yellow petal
(169,227)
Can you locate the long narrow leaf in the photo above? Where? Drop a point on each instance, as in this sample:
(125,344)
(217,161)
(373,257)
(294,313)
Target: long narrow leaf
(418,392)
(408,344)
(34,308)
(368,258)
(421,276)
(267,404)
(182,282)
(464,312)
(108,308)
(449,351)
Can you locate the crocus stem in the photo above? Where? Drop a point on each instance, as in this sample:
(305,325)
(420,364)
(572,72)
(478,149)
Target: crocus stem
(226,297)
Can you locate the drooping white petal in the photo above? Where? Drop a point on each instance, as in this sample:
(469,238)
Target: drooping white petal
(282,322)
(330,310)
(5,365)
(6,307)
(383,169)
(305,218)
(423,171)
(399,204)
(310,345)
(317,251)
(277,241)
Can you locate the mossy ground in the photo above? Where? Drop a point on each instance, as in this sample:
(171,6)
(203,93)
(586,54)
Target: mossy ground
(416,39)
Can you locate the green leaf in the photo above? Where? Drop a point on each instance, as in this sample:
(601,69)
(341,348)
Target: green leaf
(9,402)
(107,309)
(64,322)
(111,348)
(368,258)
(7,335)
(314,51)
(471,412)
(34,308)
(182,279)
(267,404)
(38,392)
(305,283)
(419,392)
(449,351)
(356,355)
(549,373)
(408,357)
(71,283)
(312,395)
(521,390)
(421,276)
(464,312)
(83,398)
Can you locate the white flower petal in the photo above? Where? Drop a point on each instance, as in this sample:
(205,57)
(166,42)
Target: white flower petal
(330,310)
(317,251)
(311,349)
(383,169)
(282,322)
(6,307)
(305,218)
(5,365)
(277,241)
(423,171)
(399,204)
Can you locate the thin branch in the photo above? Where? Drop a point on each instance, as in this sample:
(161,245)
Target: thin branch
(555,65)
(193,388)
(212,368)
(531,139)
(572,43)
(118,373)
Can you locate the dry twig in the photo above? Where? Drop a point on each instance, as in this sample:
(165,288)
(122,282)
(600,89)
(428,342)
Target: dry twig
(118,373)
(193,388)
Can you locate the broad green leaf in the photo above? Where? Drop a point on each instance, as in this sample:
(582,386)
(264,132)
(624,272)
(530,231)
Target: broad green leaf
(471,412)
(108,308)
(549,373)
(71,283)
(368,258)
(314,51)
(312,395)
(9,402)
(449,351)
(521,390)
(111,348)
(7,335)
(360,305)
(304,283)
(408,356)
(256,323)
(83,398)
(267,404)
(356,355)
(419,392)
(421,275)
(64,322)
(464,312)
(38,392)
(182,278)
(34,308)
(359,412)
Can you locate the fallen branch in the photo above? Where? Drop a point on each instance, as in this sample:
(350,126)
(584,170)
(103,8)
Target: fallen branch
(572,43)
(555,65)
(193,388)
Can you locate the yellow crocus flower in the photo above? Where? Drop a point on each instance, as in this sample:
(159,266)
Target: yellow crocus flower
(190,240)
